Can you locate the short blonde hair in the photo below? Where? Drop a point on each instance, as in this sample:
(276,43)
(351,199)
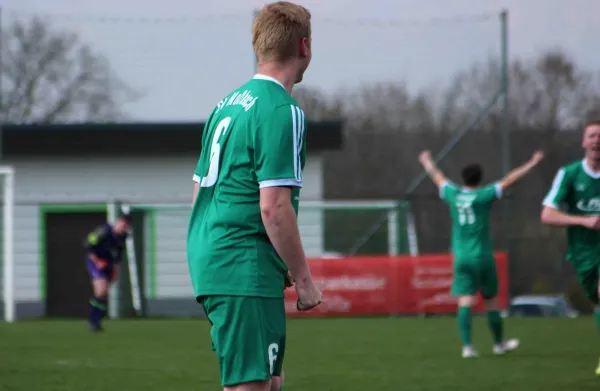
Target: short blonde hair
(277,30)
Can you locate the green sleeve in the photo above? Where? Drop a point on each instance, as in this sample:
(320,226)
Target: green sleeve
(448,192)
(200,169)
(279,148)
(559,190)
(489,194)
(197,176)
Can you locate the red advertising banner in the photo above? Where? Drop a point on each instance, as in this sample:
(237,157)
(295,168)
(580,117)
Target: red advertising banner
(382,285)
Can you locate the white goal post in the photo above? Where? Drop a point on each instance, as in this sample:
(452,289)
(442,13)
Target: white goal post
(114,209)
(8,261)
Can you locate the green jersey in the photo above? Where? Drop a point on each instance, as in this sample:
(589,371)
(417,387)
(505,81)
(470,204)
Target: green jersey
(470,217)
(253,139)
(577,188)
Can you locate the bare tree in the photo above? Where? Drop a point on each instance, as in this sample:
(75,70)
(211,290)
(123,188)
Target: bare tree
(317,105)
(380,107)
(388,107)
(50,76)
(547,92)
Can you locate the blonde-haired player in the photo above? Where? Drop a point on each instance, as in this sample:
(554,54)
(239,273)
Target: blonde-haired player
(243,243)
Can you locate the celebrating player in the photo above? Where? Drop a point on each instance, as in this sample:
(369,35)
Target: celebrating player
(474,263)
(104,247)
(577,187)
(243,234)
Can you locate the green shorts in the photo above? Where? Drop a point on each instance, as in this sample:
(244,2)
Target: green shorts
(248,335)
(588,278)
(471,277)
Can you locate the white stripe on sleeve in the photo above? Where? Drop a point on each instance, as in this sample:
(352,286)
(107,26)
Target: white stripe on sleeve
(556,184)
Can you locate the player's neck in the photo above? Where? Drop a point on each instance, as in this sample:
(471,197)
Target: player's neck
(592,164)
(283,73)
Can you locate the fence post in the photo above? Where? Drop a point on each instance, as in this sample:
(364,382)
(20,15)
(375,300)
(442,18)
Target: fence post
(112,213)
(393,231)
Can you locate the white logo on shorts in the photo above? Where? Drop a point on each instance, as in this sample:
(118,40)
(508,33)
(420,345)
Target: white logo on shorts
(273,349)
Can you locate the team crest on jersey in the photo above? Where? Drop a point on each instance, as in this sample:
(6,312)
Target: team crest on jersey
(591,205)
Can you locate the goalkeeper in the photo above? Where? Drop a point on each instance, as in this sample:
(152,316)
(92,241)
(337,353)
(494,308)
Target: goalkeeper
(104,247)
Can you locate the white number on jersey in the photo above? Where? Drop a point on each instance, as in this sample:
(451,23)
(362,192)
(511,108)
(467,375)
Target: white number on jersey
(215,154)
(273,350)
(466,216)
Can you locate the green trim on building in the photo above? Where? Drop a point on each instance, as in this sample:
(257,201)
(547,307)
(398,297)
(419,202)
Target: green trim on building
(45,209)
(152,249)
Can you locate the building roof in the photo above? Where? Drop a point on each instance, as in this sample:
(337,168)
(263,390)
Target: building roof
(132,138)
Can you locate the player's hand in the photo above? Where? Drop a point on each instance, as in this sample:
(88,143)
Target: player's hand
(591,222)
(308,295)
(289,280)
(425,157)
(537,157)
(101,264)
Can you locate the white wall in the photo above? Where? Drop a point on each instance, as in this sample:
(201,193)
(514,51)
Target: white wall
(137,180)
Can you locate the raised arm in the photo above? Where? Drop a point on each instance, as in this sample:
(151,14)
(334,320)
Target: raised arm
(436,175)
(515,175)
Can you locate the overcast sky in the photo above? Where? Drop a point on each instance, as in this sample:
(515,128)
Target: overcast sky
(185,55)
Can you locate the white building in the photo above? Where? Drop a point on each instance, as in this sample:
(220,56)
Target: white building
(65,175)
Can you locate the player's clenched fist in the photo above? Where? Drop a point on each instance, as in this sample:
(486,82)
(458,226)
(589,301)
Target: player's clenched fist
(592,222)
(309,296)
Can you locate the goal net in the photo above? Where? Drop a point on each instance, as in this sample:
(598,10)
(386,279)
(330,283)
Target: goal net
(156,280)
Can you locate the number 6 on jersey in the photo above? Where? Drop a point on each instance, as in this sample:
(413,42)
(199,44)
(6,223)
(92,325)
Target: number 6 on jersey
(215,154)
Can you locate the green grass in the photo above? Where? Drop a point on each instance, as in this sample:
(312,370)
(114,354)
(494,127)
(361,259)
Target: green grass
(324,354)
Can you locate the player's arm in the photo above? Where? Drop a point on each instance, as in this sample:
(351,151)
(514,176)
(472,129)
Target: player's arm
(436,175)
(196,188)
(277,150)
(551,212)
(556,217)
(516,174)
(280,221)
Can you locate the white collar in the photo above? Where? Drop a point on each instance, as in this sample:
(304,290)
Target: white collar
(588,170)
(258,76)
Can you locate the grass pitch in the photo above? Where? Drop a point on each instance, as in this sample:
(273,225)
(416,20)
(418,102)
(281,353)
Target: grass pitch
(323,354)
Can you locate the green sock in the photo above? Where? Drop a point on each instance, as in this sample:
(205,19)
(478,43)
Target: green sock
(495,324)
(464,325)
